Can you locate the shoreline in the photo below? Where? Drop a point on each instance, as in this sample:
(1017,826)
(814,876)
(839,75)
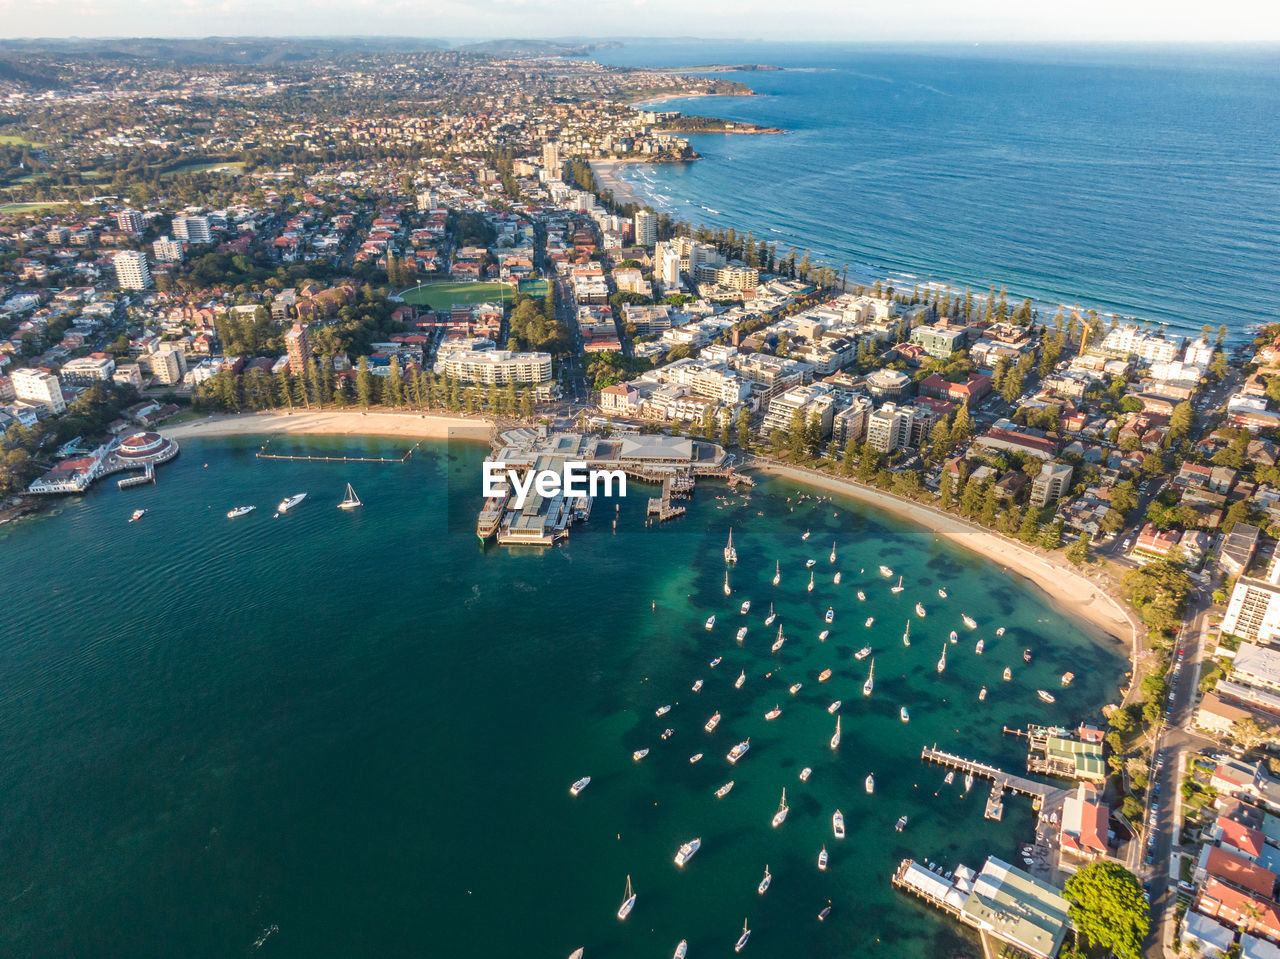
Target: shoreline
(332,422)
(1066,586)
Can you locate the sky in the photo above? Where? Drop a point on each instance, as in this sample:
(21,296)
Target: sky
(1221,21)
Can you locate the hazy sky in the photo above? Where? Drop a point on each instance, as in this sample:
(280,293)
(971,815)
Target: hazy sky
(934,20)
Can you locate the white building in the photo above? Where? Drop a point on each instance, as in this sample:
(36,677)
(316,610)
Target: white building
(851,422)
(132,272)
(889,428)
(1199,353)
(808,400)
(1129,340)
(168,364)
(498,367)
(37,386)
(1049,485)
(88,369)
(551,159)
(1253,612)
(167,250)
(646,228)
(193,229)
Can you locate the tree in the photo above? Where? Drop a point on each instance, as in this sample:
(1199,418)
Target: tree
(1158,590)
(1078,552)
(744,429)
(1051,535)
(962,426)
(1108,909)
(1251,734)
(366,383)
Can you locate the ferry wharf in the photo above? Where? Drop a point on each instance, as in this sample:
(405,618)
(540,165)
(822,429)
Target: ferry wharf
(1043,795)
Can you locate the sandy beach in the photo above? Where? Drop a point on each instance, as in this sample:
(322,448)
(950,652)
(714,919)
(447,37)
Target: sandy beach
(333,423)
(1077,594)
(606,179)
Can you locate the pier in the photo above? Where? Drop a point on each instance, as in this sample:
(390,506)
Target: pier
(1042,794)
(262,454)
(662,507)
(148,476)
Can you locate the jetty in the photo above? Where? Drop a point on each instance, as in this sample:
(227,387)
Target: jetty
(662,507)
(148,475)
(1043,795)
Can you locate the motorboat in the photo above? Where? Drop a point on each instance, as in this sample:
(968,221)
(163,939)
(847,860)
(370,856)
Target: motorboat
(863,653)
(904,715)
(781,815)
(862,597)
(711,622)
(1008,674)
(871,679)
(806,773)
(826,911)
(920,610)
(290,502)
(886,572)
(822,636)
(137,515)
(869,622)
(240,511)
(953,638)
(686,851)
(682,950)
(774,713)
(870,783)
(639,754)
(1000,631)
(745,607)
(742,633)
(628,901)
(834,707)
(738,751)
(942,593)
(580,785)
(1026,655)
(837,824)
(982,694)
(696,757)
(1067,678)
(746,933)
(742,678)
(831,614)
(697,686)
(724,790)
(768,620)
(980,647)
(836,578)
(715,662)
(1046,696)
(795,688)
(898,588)
(822,857)
(667,733)
(901,824)
(810,563)
(764,883)
(824,675)
(835,737)
(662,710)
(969,621)
(730,554)
(712,723)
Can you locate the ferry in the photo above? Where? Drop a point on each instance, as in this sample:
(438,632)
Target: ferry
(898,588)
(942,594)
(715,662)
(724,790)
(836,580)
(738,751)
(824,675)
(730,554)
(742,678)
(904,715)
(712,723)
(969,621)
(806,773)
(495,507)
(746,933)
(774,713)
(863,653)
(920,611)
(290,502)
(822,857)
(580,785)
(781,815)
(687,850)
(764,883)
(1026,655)
(862,597)
(639,754)
(662,710)
(870,783)
(982,694)
(837,824)
(901,824)
(628,901)
(1008,674)
(137,515)
(696,757)
(810,589)
(697,686)
(777,572)
(768,620)
(822,636)
(795,688)
(835,737)
(886,572)
(871,680)
(745,607)
(742,633)
(831,614)
(1067,678)
(1047,697)
(240,511)
(980,647)
(711,622)
(834,707)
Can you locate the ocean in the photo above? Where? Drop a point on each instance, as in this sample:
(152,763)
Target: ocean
(1139,181)
(333,734)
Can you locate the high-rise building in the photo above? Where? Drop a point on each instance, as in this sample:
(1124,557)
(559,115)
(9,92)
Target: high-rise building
(168,364)
(424,201)
(1053,480)
(132,272)
(551,159)
(193,229)
(37,386)
(889,428)
(167,250)
(1253,612)
(646,225)
(130,221)
(298,345)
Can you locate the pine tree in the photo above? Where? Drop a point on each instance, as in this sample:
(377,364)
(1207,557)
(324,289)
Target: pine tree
(366,383)
(1078,552)
(1030,528)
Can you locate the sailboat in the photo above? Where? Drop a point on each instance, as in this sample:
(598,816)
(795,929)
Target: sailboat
(836,579)
(899,588)
(742,939)
(777,572)
(871,680)
(781,815)
(942,660)
(730,554)
(969,621)
(833,552)
(810,583)
(920,610)
(777,643)
(906,634)
(835,737)
(726,583)
(764,883)
(968,781)
(768,620)
(980,647)
(351,500)
(742,678)
(628,901)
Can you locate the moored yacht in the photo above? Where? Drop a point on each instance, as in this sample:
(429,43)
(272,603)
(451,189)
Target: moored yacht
(837,824)
(628,901)
(639,754)
(686,851)
(822,857)
(969,621)
(822,636)
(942,660)
(697,685)
(777,572)
(727,588)
(781,815)
(942,593)
(810,563)
(795,688)
(1046,696)
(742,678)
(824,675)
(982,694)
(810,589)
(805,536)
(290,502)
(738,751)
(898,588)
(980,647)
(768,620)
(863,653)
(777,643)
(745,607)
(953,637)
(1000,631)
(682,950)
(968,781)
(886,572)
(662,710)
(870,783)
(862,597)
(871,680)
(834,707)
(696,757)
(1026,655)
(774,713)
(833,552)
(137,515)
(836,578)
(806,773)
(715,662)
(724,790)
(1067,678)
(711,622)
(240,511)
(835,737)
(869,622)
(580,785)
(350,500)
(906,634)
(746,933)
(742,633)
(730,554)
(712,723)
(764,883)
(920,610)
(831,614)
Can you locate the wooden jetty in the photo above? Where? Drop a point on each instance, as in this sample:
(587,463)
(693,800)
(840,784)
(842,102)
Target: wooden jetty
(662,507)
(1042,794)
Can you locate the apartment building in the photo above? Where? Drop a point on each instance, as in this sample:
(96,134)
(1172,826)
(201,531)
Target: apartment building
(132,272)
(38,386)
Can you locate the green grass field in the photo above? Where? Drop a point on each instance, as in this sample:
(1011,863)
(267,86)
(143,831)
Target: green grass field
(31,207)
(13,139)
(441,296)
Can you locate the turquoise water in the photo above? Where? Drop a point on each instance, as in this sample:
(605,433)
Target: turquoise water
(359,729)
(1143,181)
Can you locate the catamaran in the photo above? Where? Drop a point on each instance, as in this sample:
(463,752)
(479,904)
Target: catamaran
(580,785)
(822,857)
(920,611)
(777,572)
(777,643)
(810,583)
(835,737)
(837,824)
(831,614)
(768,620)
(742,678)
(727,590)
(712,723)
(351,500)
(942,660)
(833,552)
(774,713)
(863,653)
(742,939)
(290,502)
(871,680)
(764,883)
(687,850)
(899,588)
(730,554)
(906,634)
(781,815)
(724,790)
(738,751)
(240,511)
(628,901)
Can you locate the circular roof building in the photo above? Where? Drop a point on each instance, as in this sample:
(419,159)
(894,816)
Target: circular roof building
(141,445)
(889,384)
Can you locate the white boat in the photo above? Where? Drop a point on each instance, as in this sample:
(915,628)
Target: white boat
(639,754)
(906,634)
(696,757)
(968,781)
(870,621)
(730,554)
(870,783)
(711,622)
(742,633)
(777,643)
(764,883)
(862,597)
(662,710)
(742,678)
(826,911)
(768,620)
(833,552)
(871,680)
(682,950)
(137,515)
(350,500)
(810,589)
(831,614)
(942,593)
(886,572)
(806,773)
(745,607)
(712,723)
(1000,631)
(777,572)
(822,636)
(715,662)
(576,954)
(727,589)
(697,685)
(899,588)
(863,653)
(980,647)
(836,578)
(795,688)
(724,790)
(580,785)
(746,933)
(824,675)
(969,621)
(774,713)
(668,733)
(810,563)
(950,777)
(290,502)
(834,707)
(901,824)
(942,660)
(903,714)
(240,511)
(953,637)
(837,824)
(686,851)
(628,901)
(738,751)
(982,694)
(822,857)
(835,737)
(781,815)
(805,536)
(1068,678)
(1008,674)
(1046,696)
(920,610)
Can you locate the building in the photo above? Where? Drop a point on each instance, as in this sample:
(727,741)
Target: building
(193,229)
(167,250)
(889,428)
(1250,912)
(132,272)
(850,424)
(1257,666)
(1253,612)
(808,400)
(889,384)
(38,386)
(1238,548)
(297,344)
(497,367)
(168,364)
(130,221)
(1049,485)
(646,227)
(88,369)
(1083,834)
(1206,937)
(128,374)
(939,342)
(424,200)
(1130,340)
(551,161)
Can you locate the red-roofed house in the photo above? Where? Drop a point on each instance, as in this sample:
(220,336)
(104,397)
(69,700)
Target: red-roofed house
(1252,913)
(1243,840)
(1229,867)
(1084,825)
